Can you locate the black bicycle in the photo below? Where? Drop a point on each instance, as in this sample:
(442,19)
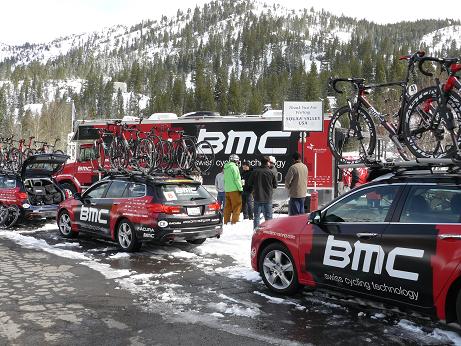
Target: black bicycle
(352,133)
(433,115)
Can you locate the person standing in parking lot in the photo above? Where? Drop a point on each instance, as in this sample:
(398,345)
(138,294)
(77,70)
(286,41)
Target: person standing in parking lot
(272,163)
(233,188)
(219,184)
(296,184)
(247,197)
(262,182)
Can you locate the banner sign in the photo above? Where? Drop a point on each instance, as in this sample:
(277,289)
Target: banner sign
(302,116)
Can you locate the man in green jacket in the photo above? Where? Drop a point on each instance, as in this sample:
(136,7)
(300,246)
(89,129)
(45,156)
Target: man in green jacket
(233,188)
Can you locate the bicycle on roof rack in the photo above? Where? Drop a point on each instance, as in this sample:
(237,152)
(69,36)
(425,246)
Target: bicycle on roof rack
(159,150)
(46,148)
(435,111)
(352,132)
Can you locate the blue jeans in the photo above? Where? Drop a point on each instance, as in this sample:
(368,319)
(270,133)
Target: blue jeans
(262,207)
(221,199)
(296,206)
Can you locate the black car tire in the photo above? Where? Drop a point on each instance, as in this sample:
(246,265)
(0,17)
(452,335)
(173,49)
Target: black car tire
(126,237)
(64,222)
(69,187)
(197,241)
(279,276)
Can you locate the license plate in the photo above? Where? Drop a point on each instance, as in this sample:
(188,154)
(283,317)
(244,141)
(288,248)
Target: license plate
(194,211)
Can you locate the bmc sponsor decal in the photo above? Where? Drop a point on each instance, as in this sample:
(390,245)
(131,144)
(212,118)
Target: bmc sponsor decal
(94,215)
(338,254)
(146,229)
(281,235)
(84,169)
(235,142)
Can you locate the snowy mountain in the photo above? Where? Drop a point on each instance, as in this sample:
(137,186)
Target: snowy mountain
(228,56)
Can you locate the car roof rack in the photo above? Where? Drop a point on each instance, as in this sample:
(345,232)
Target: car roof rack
(416,166)
(139,174)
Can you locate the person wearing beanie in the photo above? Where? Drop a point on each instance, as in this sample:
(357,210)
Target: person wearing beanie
(233,189)
(247,197)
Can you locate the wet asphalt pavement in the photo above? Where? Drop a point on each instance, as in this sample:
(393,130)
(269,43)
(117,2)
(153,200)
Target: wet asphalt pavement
(84,291)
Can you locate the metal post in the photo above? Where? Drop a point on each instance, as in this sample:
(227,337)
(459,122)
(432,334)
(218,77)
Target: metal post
(302,146)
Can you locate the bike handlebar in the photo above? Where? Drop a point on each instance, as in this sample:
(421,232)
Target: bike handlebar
(355,81)
(445,63)
(414,57)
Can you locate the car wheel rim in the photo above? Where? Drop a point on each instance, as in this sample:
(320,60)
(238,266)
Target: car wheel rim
(64,224)
(125,236)
(278,269)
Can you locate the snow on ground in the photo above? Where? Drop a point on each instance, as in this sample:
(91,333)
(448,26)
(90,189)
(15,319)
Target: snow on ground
(156,293)
(236,243)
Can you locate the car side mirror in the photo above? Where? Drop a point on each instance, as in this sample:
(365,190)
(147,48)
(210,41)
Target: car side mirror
(315,217)
(77,195)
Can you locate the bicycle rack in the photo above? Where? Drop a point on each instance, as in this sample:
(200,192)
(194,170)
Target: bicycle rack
(432,165)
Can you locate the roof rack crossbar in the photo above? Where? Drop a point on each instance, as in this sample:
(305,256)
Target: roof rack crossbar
(418,162)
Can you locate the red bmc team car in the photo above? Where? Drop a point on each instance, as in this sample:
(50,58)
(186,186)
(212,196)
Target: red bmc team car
(132,209)
(396,240)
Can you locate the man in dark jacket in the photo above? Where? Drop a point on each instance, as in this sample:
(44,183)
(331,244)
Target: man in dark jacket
(247,198)
(262,182)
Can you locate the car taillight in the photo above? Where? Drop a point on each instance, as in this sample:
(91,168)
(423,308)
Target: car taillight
(21,195)
(214,206)
(164,209)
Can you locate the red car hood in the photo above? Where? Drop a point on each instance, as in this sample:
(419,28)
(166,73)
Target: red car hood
(286,225)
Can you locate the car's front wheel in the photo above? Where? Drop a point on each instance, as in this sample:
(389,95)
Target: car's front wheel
(126,237)
(278,269)
(65,225)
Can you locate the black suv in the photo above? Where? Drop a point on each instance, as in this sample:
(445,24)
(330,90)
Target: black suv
(32,191)
(132,209)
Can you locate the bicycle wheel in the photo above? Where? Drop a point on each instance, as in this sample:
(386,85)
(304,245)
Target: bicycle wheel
(164,160)
(144,155)
(3,214)
(14,159)
(12,217)
(185,153)
(116,155)
(28,153)
(204,156)
(351,143)
(425,129)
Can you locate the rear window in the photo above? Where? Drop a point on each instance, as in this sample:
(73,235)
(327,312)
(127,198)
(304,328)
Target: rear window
(183,193)
(7,182)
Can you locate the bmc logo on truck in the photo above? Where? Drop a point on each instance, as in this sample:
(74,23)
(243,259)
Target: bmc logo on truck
(236,140)
(93,215)
(340,257)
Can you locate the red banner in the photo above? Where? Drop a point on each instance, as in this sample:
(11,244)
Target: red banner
(318,158)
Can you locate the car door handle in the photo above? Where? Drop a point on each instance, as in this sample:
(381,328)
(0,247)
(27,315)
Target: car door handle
(92,203)
(367,235)
(116,203)
(449,236)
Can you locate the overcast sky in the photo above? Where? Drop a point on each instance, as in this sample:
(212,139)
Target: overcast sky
(43,20)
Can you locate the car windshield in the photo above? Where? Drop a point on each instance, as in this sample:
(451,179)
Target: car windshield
(7,182)
(183,193)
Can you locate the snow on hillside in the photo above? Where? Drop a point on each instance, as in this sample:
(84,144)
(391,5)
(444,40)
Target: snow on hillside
(443,38)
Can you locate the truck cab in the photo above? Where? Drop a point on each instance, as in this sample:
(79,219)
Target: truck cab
(80,171)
